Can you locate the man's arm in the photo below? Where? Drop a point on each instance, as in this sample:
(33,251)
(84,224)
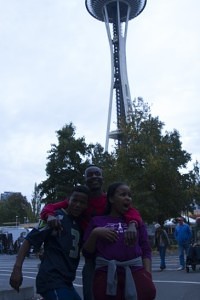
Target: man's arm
(47,214)
(133,219)
(133,216)
(50,209)
(16,277)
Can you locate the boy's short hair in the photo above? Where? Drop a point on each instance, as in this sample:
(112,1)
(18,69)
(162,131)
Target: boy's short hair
(81,189)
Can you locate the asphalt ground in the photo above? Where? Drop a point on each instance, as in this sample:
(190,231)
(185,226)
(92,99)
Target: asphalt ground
(170,283)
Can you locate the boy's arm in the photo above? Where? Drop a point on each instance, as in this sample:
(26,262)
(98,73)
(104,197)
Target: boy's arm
(102,233)
(16,277)
(50,208)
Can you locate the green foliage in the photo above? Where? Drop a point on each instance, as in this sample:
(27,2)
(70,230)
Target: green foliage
(36,203)
(151,163)
(15,208)
(67,162)
(192,187)
(149,160)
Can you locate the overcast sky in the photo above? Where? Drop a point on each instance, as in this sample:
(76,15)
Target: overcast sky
(55,69)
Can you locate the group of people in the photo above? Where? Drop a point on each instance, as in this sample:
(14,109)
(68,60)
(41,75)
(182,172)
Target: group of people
(111,235)
(183,236)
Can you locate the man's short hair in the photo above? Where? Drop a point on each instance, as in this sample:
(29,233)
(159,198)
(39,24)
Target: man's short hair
(92,166)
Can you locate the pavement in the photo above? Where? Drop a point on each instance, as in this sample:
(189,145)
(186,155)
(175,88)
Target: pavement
(26,293)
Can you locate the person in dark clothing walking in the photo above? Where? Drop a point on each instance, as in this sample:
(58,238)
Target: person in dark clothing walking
(161,243)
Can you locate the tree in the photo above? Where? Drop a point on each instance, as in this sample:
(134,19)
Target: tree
(150,160)
(36,202)
(67,162)
(151,163)
(192,188)
(15,209)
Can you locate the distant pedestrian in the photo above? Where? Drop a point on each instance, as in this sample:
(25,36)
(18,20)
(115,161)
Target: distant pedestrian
(20,240)
(161,243)
(183,235)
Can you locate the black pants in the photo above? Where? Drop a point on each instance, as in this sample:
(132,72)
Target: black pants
(87,278)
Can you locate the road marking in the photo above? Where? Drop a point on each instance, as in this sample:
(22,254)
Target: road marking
(77,285)
(174,281)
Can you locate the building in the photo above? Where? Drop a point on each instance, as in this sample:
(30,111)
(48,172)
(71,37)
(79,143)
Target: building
(4,196)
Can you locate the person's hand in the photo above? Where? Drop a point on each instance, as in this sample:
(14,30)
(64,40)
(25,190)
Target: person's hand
(106,233)
(55,224)
(130,235)
(16,278)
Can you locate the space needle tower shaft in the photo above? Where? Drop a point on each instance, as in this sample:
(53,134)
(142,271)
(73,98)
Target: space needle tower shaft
(116,14)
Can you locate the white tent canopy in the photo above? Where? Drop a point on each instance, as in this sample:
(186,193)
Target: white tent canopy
(172,221)
(169,222)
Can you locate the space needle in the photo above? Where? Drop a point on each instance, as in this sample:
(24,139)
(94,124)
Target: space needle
(116,14)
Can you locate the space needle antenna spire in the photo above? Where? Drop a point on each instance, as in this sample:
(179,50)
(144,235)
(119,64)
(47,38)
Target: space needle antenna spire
(116,14)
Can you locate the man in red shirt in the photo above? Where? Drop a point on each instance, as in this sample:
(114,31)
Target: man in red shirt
(96,207)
